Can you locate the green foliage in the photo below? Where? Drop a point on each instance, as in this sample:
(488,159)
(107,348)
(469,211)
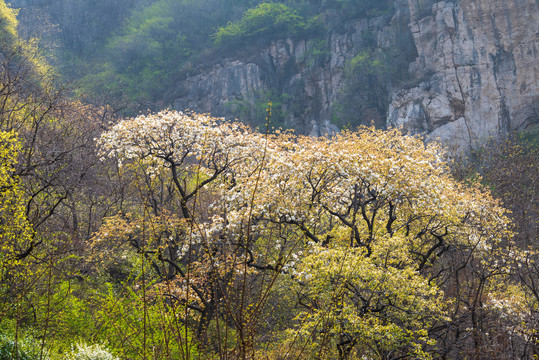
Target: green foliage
(142,327)
(150,51)
(15,231)
(531,135)
(344,283)
(365,62)
(72,313)
(8,23)
(149,47)
(267,21)
(24,56)
(254,111)
(19,349)
(130,320)
(316,53)
(368,78)
(365,92)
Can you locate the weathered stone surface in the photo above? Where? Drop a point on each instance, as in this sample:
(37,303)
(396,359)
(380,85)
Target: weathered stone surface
(478,71)
(308,85)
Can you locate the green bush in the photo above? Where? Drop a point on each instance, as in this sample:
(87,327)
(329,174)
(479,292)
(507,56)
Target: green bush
(24,349)
(159,336)
(266,21)
(117,315)
(146,56)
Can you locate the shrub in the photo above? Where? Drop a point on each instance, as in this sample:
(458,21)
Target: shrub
(24,349)
(265,21)
(90,352)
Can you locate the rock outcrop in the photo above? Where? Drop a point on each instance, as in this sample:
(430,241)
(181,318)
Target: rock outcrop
(304,76)
(473,72)
(477,70)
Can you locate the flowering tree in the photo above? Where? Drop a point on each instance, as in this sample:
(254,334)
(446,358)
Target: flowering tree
(355,227)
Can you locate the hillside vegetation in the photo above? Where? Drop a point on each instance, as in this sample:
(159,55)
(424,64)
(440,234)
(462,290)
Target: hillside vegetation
(137,50)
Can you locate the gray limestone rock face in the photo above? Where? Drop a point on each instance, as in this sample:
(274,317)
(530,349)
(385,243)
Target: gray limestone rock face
(477,71)
(473,73)
(305,75)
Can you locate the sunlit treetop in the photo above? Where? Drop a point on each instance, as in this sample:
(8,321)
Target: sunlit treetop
(353,219)
(370,182)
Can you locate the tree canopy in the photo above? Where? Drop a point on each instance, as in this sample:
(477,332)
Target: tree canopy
(265,21)
(356,226)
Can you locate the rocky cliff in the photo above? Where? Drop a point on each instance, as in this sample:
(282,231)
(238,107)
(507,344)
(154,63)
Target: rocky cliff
(470,65)
(477,61)
(305,78)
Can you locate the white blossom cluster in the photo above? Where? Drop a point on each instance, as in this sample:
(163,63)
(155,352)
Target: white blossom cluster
(318,188)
